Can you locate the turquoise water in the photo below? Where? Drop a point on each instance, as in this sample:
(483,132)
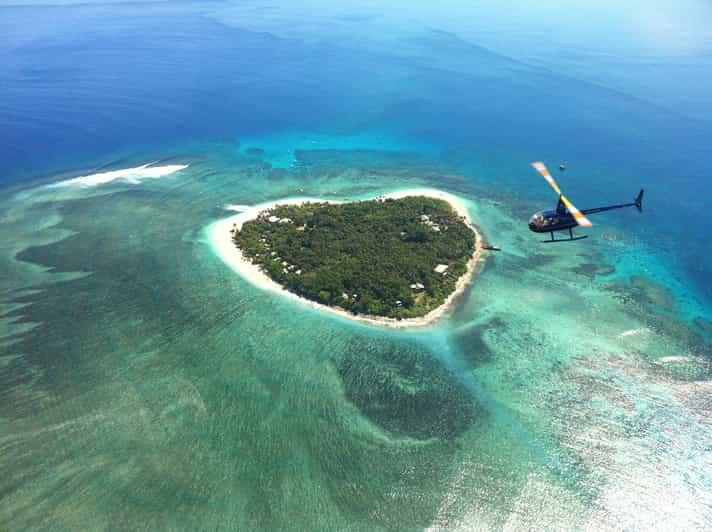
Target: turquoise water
(147,386)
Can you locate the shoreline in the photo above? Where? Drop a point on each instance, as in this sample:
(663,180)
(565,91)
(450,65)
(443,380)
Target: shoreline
(220,237)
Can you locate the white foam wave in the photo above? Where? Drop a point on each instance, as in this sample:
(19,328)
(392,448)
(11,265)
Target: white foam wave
(236,208)
(635,332)
(132,175)
(675,358)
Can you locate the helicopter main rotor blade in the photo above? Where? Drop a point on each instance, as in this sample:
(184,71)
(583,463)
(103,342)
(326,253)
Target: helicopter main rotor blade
(541,168)
(578,216)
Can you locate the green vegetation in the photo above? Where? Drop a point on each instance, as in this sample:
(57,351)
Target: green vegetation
(378,257)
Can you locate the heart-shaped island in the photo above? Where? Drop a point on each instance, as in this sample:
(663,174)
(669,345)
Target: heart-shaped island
(399,259)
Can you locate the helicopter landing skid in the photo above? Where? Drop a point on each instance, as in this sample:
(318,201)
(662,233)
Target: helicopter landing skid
(564,239)
(570,239)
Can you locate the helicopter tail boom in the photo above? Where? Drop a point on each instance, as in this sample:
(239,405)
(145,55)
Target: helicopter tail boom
(638,204)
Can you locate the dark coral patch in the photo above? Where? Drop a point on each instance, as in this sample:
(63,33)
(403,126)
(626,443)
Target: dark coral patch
(592,269)
(538,260)
(255,152)
(703,325)
(472,344)
(405,390)
(653,293)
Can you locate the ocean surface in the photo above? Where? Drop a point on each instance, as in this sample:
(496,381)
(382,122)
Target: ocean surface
(145,386)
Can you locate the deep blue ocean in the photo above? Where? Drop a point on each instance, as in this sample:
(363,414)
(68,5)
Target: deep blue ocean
(622,96)
(260,100)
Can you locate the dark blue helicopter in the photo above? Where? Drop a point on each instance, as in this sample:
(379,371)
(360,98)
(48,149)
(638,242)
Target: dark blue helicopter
(566,215)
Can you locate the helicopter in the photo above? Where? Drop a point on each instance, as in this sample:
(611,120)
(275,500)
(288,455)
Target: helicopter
(567,216)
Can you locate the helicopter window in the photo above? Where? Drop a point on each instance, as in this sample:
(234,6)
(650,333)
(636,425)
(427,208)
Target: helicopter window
(537,219)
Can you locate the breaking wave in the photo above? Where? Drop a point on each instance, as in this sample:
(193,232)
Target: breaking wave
(236,208)
(132,175)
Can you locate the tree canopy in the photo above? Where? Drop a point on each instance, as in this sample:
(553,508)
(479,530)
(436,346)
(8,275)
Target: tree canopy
(378,257)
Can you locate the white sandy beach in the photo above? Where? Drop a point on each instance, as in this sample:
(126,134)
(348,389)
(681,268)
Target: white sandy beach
(220,238)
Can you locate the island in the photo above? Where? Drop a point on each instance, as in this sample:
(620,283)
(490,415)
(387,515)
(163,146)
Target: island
(399,259)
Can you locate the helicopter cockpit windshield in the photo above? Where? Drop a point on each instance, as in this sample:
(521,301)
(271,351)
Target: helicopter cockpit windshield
(537,220)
